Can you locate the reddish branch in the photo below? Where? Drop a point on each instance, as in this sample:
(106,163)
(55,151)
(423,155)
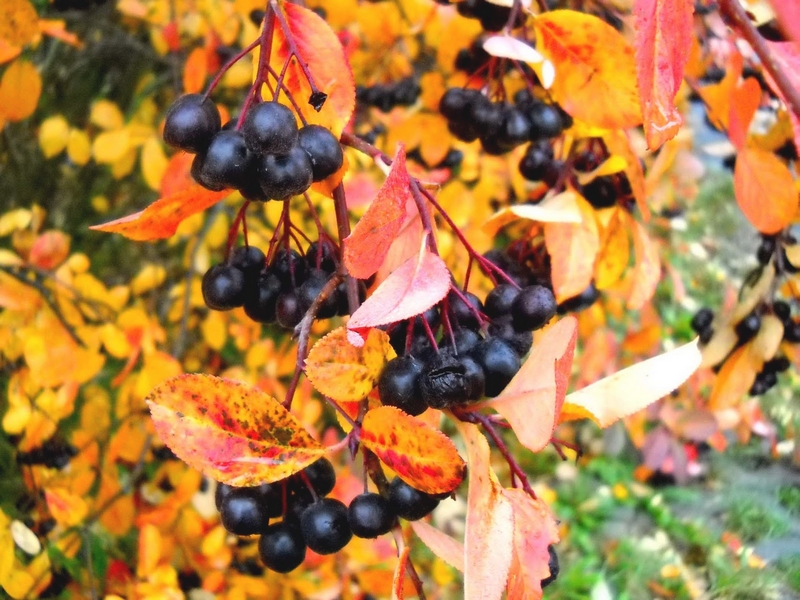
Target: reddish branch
(737,17)
(343,227)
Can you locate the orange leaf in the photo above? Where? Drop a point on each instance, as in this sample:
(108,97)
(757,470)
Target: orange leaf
(8,52)
(532,400)
(745,99)
(573,248)
(344,372)
(49,250)
(595,68)
(615,253)
(421,456)
(67,509)
(489,534)
(647,272)
(320,49)
(414,287)
(633,388)
(717,97)
(18,22)
(400,574)
(765,190)
(619,143)
(367,246)
(20,89)
(534,530)
(442,545)
(162,217)
(231,431)
(195,71)
(663,41)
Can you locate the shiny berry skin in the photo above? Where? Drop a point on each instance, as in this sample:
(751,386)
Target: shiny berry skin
(503,328)
(226,163)
(311,289)
(516,128)
(289,266)
(465,339)
(408,502)
(321,255)
(747,328)
(553,565)
(322,476)
(286,175)
(223,287)
(249,260)
(702,320)
(191,123)
(533,307)
(792,332)
(487,115)
(398,385)
(223,491)
(323,150)
(499,300)
(270,128)
(499,363)
(465,313)
(535,162)
(262,299)
(325,526)
(456,102)
(580,302)
(289,310)
(370,515)
(243,512)
(281,547)
(546,121)
(601,192)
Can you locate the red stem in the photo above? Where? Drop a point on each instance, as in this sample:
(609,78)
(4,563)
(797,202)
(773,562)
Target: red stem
(343,228)
(293,50)
(226,67)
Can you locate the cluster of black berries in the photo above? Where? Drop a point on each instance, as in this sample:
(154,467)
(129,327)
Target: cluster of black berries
(501,126)
(492,16)
(767,378)
(309,519)
(604,191)
(452,159)
(386,96)
(268,159)
(281,291)
(54,454)
(479,359)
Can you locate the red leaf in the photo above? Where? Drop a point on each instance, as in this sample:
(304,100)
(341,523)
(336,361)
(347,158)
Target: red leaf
(367,246)
(162,217)
(745,98)
(414,287)
(532,400)
(788,14)
(489,534)
(400,574)
(195,71)
(663,40)
(765,190)
(534,530)
(422,456)
(49,250)
(786,56)
(320,48)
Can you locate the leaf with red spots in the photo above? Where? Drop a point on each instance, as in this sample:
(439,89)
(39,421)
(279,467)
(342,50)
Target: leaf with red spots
(422,456)
(231,431)
(162,217)
(367,246)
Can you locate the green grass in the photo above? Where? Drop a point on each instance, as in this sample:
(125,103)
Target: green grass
(752,521)
(789,497)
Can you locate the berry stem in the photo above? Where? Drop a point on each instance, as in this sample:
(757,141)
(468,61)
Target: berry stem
(265,50)
(424,215)
(233,232)
(226,67)
(372,465)
(400,542)
(363,146)
(343,229)
(289,95)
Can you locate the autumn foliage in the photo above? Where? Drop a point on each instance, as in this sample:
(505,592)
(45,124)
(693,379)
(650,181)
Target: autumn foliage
(478,271)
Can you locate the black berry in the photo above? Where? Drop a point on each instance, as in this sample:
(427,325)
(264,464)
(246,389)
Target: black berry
(370,515)
(223,287)
(249,260)
(499,363)
(398,385)
(323,150)
(191,123)
(408,502)
(322,476)
(281,547)
(270,128)
(702,320)
(227,163)
(325,526)
(285,175)
(533,307)
(243,512)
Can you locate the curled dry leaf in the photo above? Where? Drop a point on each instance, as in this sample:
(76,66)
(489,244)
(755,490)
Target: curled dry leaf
(422,456)
(367,246)
(489,534)
(631,389)
(532,400)
(161,219)
(506,46)
(341,371)
(247,437)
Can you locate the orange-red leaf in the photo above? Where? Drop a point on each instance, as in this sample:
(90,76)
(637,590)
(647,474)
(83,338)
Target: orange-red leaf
(489,534)
(415,286)
(345,372)
(629,390)
(18,22)
(532,400)
(20,88)
(367,246)
(421,456)
(50,249)
(764,189)
(162,217)
(442,545)
(534,530)
(195,71)
(745,99)
(321,50)
(595,68)
(647,272)
(231,431)
(788,14)
(573,248)
(663,40)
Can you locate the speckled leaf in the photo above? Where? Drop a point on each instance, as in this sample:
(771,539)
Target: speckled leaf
(344,372)
(420,455)
(231,431)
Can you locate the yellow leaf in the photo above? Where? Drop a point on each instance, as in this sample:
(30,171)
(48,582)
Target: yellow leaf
(53,135)
(149,550)
(647,272)
(149,277)
(215,330)
(614,254)
(67,509)
(344,372)
(106,115)
(18,22)
(13,220)
(111,146)
(6,549)
(18,584)
(154,163)
(79,147)
(20,88)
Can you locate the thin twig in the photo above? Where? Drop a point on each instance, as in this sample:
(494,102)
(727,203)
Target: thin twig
(343,229)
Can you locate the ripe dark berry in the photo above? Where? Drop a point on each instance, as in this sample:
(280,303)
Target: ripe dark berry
(465,131)
(191,123)
(533,307)
(398,385)
(465,313)
(408,502)
(281,547)
(766,250)
(516,128)
(370,515)
(322,476)
(487,116)
(223,491)
(791,333)
(601,192)
(325,526)
(261,301)
(777,365)
(311,289)
(285,175)
(553,565)
(270,128)
(503,328)
(323,150)
(702,320)
(223,287)
(747,328)
(243,512)
(227,163)
(499,300)
(546,121)
(289,310)
(321,255)
(499,363)
(535,162)
(456,102)
(289,266)
(580,302)
(465,339)
(445,382)
(250,260)
(782,310)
